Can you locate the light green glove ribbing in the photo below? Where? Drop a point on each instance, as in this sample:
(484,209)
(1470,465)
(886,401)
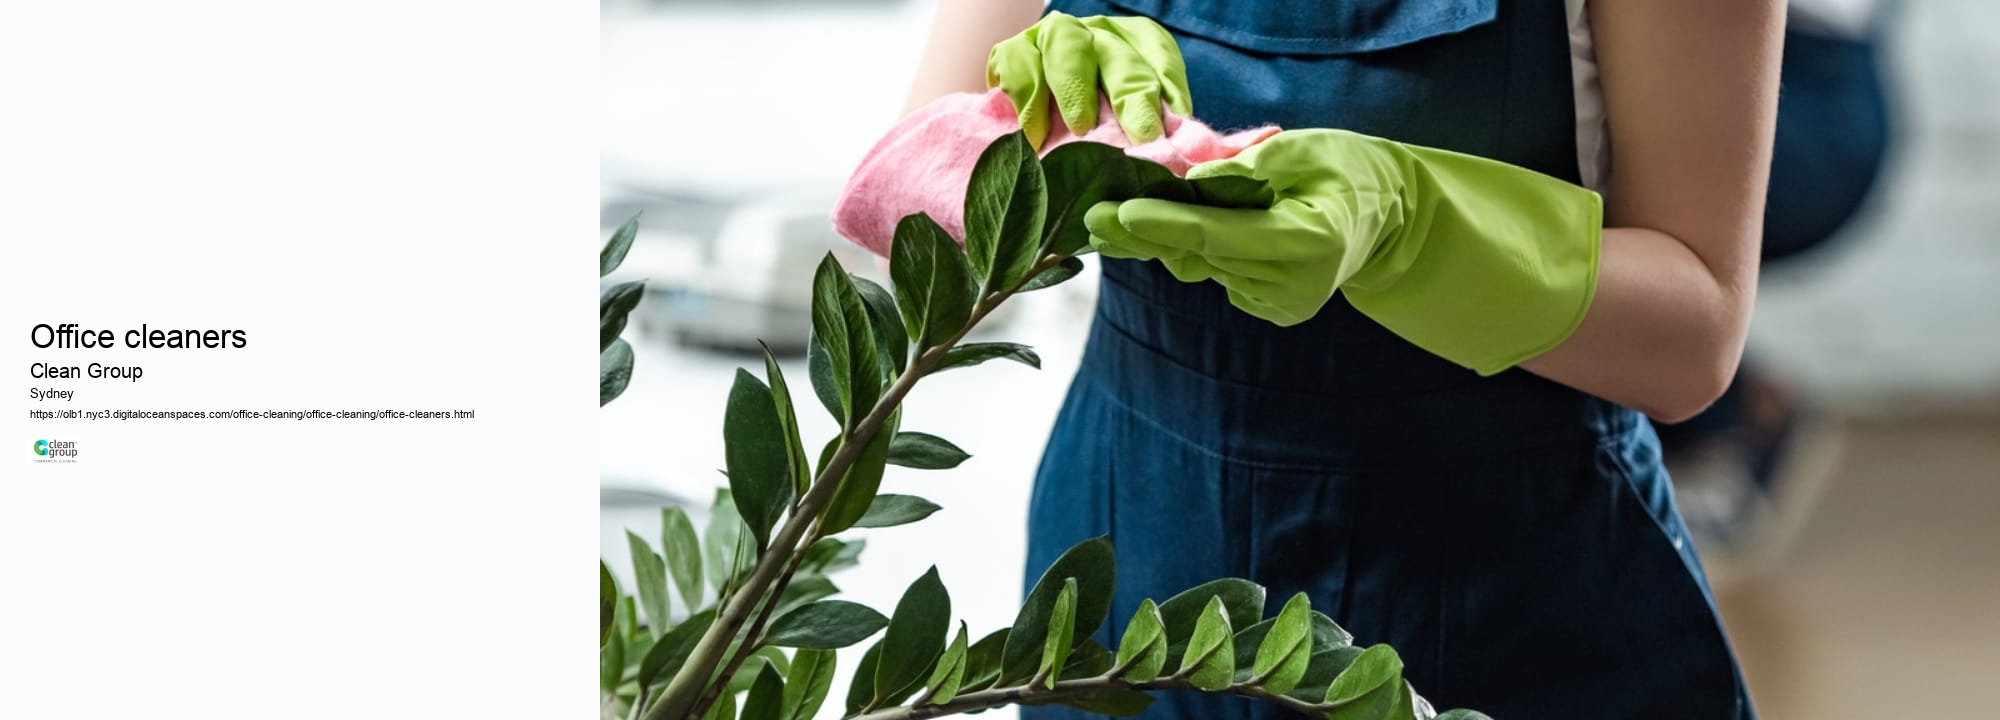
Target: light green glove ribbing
(1482,263)
(1067,59)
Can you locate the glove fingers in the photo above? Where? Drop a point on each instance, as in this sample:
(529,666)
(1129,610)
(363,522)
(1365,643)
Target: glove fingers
(1191,269)
(1111,239)
(1153,43)
(1283,316)
(1257,276)
(1015,66)
(1134,89)
(1262,273)
(1286,232)
(1069,64)
(1226,166)
(1249,282)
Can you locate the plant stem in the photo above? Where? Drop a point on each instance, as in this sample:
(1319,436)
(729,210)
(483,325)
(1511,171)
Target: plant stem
(682,696)
(749,645)
(638,704)
(1066,689)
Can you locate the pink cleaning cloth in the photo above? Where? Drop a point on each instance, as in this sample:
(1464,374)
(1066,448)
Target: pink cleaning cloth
(925,162)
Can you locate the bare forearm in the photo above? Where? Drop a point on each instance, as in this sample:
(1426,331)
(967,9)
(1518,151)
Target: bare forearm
(1663,335)
(1691,91)
(961,35)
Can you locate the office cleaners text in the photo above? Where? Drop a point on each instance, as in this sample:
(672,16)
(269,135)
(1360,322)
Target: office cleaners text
(69,335)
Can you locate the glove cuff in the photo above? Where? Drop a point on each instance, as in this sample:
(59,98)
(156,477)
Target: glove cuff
(1493,264)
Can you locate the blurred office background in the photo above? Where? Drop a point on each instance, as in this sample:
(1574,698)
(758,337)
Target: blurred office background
(723,122)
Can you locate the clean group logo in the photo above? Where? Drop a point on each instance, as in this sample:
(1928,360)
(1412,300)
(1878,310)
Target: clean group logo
(55,451)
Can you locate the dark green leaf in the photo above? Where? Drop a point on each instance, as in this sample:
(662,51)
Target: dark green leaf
(720,540)
(649,580)
(666,656)
(614,250)
(1376,667)
(1056,275)
(637,647)
(861,687)
(924,451)
(890,698)
(833,328)
(1405,706)
(826,455)
(1091,563)
(1061,631)
(611,662)
(1233,191)
(1082,174)
(683,551)
(1143,649)
(856,492)
(614,372)
(807,682)
(1086,659)
(766,700)
(982,662)
(1285,650)
(760,469)
(950,671)
(892,510)
(1247,641)
(916,634)
(1321,670)
(840,321)
(607,602)
(1327,634)
(788,418)
(805,589)
(825,625)
(612,308)
(830,554)
(1210,660)
(970,354)
(747,674)
(1156,181)
(1004,208)
(723,709)
(627,621)
(1241,599)
(1115,703)
(819,370)
(1388,702)
(891,342)
(934,285)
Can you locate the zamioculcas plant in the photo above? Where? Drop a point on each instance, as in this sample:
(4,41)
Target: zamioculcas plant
(759,638)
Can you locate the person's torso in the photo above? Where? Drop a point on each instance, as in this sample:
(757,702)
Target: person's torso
(1483,77)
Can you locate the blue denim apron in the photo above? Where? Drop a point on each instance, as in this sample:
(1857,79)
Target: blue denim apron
(1515,540)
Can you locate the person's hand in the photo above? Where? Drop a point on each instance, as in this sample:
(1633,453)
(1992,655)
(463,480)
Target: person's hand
(1480,262)
(1281,264)
(1064,60)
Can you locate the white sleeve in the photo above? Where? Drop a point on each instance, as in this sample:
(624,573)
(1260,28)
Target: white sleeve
(1593,150)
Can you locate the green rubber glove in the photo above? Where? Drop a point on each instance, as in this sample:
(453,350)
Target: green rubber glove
(1066,59)
(1482,263)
